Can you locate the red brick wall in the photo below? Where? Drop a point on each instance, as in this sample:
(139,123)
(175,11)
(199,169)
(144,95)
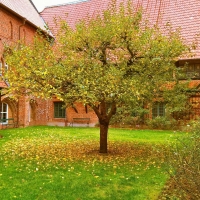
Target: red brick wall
(44,110)
(71,113)
(13,28)
(39,112)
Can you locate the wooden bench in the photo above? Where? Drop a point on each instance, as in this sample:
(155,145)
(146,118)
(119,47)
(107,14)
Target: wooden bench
(81,120)
(6,123)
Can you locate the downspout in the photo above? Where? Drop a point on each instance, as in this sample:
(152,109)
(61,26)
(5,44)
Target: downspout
(0,103)
(18,111)
(2,64)
(23,23)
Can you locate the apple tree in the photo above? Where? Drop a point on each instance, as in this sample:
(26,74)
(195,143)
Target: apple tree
(112,59)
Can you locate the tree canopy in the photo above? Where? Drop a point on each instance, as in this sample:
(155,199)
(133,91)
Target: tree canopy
(114,58)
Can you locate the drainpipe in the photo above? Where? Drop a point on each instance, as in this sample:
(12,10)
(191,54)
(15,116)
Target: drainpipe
(0,103)
(23,23)
(17,111)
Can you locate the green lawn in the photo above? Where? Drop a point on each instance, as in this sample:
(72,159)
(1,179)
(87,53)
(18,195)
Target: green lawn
(55,163)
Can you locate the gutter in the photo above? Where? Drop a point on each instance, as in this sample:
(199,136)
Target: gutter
(27,21)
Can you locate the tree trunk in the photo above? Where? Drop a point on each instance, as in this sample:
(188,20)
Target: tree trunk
(103,137)
(104,119)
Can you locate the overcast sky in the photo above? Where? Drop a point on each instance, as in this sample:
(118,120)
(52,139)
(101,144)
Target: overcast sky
(40,4)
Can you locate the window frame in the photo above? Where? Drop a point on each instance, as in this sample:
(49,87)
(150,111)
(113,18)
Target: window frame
(158,109)
(59,110)
(190,69)
(2,112)
(193,71)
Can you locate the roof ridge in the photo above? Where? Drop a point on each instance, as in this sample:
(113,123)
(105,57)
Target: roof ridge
(69,3)
(32,5)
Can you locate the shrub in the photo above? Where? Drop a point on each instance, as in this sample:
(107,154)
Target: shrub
(124,121)
(161,123)
(184,159)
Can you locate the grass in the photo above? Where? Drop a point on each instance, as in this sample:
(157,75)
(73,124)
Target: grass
(56,163)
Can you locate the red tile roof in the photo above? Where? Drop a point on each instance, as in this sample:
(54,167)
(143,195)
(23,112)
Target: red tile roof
(184,14)
(72,12)
(25,9)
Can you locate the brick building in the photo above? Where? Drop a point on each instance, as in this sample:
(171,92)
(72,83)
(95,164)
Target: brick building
(180,14)
(19,20)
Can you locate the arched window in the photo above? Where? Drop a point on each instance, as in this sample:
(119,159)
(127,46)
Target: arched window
(11,30)
(4,111)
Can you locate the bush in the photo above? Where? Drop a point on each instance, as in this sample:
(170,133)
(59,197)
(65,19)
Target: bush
(128,117)
(161,123)
(126,121)
(184,159)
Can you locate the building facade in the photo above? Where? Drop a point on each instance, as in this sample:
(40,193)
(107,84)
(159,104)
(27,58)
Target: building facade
(20,21)
(16,24)
(183,15)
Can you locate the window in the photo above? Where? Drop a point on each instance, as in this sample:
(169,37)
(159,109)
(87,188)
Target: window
(158,109)
(3,68)
(191,70)
(4,111)
(195,111)
(59,110)
(6,67)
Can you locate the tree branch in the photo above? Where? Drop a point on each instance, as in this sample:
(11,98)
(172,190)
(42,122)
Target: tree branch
(112,111)
(96,109)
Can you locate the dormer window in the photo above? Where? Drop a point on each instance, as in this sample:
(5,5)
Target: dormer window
(191,69)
